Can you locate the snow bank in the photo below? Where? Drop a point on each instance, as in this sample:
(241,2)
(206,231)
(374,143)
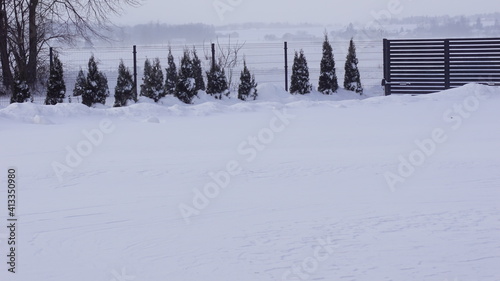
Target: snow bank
(270,96)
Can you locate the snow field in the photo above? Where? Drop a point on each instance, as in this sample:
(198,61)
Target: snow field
(304,197)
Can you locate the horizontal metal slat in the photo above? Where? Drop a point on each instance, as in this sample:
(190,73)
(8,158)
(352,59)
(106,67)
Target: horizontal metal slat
(496,49)
(474,65)
(421,61)
(454,60)
(473,71)
(473,55)
(420,74)
(438,84)
(418,44)
(417,55)
(476,47)
(492,67)
(417,76)
(409,49)
(454,44)
(417,66)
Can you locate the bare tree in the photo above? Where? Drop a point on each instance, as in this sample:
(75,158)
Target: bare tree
(227,58)
(26,26)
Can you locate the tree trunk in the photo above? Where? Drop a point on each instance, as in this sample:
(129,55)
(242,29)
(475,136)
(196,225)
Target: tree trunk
(33,43)
(4,52)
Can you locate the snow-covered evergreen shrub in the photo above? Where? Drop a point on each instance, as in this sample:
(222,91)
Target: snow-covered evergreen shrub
(217,82)
(186,84)
(198,72)
(80,85)
(21,91)
(247,90)
(300,75)
(352,79)
(152,86)
(171,76)
(56,88)
(124,90)
(96,87)
(328,83)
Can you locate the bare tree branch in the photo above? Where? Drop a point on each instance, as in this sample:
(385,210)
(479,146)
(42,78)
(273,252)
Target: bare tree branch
(27,26)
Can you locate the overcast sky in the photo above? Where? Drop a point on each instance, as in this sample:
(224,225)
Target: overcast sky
(220,12)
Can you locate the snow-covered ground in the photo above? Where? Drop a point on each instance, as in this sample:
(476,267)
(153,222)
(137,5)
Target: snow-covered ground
(283,188)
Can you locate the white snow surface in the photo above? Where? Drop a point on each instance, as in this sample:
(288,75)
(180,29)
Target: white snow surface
(307,199)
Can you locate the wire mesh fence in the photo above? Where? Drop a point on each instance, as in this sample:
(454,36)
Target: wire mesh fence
(266,60)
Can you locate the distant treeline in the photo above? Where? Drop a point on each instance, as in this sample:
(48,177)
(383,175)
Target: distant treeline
(407,27)
(424,26)
(158,33)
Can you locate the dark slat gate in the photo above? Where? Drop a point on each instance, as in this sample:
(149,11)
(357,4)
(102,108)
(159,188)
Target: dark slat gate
(423,66)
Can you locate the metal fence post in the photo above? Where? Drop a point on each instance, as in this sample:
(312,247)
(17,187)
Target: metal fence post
(447,64)
(286,66)
(387,72)
(213,55)
(135,70)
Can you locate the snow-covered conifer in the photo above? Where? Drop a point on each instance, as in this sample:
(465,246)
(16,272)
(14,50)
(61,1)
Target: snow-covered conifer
(152,86)
(56,88)
(198,72)
(247,90)
(80,85)
(124,90)
(96,87)
(217,82)
(328,83)
(171,77)
(352,79)
(21,91)
(300,75)
(186,84)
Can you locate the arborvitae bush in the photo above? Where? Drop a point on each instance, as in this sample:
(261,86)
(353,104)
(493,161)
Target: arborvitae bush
(198,72)
(146,80)
(186,84)
(152,86)
(21,91)
(171,77)
(352,79)
(217,82)
(300,75)
(96,87)
(80,85)
(247,90)
(103,89)
(124,90)
(328,83)
(56,88)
